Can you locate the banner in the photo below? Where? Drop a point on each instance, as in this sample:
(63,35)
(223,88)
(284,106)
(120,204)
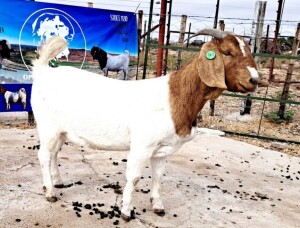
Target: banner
(35,22)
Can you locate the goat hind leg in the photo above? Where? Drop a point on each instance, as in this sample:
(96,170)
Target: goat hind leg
(56,179)
(158,168)
(46,156)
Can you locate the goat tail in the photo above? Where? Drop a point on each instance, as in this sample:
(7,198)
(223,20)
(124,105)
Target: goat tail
(49,50)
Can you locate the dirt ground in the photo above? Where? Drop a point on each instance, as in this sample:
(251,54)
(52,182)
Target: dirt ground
(212,181)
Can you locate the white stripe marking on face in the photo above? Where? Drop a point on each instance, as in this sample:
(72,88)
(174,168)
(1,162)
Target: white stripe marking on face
(253,72)
(242,45)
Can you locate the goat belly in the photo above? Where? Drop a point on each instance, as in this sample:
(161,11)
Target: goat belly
(13,97)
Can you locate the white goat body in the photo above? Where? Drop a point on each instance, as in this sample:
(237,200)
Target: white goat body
(117,63)
(153,118)
(121,115)
(113,117)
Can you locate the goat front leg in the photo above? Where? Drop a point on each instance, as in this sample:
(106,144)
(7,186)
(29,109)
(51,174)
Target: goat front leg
(105,72)
(158,168)
(125,75)
(135,163)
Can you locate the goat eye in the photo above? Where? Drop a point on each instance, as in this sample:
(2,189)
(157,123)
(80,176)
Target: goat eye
(227,53)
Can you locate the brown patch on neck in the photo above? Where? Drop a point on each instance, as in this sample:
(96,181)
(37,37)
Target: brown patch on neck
(188,94)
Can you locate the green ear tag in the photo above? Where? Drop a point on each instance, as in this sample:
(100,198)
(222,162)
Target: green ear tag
(210,55)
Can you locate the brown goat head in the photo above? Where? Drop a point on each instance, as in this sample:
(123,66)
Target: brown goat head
(226,62)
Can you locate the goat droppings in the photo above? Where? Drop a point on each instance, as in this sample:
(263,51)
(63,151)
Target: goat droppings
(94,210)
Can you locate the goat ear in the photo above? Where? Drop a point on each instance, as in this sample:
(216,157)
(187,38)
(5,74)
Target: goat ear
(211,66)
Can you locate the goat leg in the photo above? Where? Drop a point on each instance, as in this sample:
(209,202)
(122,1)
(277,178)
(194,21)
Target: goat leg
(45,160)
(158,167)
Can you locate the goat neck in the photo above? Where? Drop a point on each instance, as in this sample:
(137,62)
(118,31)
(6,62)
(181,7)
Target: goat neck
(188,94)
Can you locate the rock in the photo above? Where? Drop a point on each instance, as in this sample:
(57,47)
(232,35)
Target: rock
(235,116)
(277,145)
(210,132)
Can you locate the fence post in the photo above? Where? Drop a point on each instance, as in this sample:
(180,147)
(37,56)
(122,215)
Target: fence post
(259,27)
(278,21)
(161,37)
(181,39)
(148,39)
(165,67)
(286,87)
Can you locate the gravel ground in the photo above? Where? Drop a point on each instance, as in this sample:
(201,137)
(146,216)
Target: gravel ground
(212,181)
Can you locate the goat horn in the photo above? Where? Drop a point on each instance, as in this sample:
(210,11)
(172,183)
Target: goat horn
(219,34)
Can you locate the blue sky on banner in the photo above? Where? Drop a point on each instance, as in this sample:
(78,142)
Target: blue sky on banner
(83,27)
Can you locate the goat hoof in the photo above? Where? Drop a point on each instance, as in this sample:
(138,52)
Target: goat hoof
(52,199)
(128,218)
(125,217)
(59,186)
(159,212)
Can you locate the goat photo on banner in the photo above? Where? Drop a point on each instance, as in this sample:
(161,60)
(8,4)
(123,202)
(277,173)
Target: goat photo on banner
(81,27)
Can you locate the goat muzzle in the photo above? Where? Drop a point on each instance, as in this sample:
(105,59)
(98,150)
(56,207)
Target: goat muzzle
(262,83)
(254,81)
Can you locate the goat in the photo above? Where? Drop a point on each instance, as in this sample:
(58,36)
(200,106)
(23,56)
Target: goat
(110,62)
(152,125)
(5,49)
(18,96)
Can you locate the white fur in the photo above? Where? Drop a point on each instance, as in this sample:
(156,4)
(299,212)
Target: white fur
(242,45)
(253,72)
(117,63)
(112,115)
(64,53)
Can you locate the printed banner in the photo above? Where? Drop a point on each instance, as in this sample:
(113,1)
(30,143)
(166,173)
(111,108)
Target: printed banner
(83,28)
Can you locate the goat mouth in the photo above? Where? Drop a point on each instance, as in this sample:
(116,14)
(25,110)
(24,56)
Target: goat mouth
(246,89)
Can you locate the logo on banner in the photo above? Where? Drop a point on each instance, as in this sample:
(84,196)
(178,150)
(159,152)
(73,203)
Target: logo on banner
(46,23)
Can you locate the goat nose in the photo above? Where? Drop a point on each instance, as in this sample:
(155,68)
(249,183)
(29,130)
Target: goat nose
(254,81)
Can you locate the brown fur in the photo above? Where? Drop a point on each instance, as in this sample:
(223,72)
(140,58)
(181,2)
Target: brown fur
(188,95)
(203,79)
